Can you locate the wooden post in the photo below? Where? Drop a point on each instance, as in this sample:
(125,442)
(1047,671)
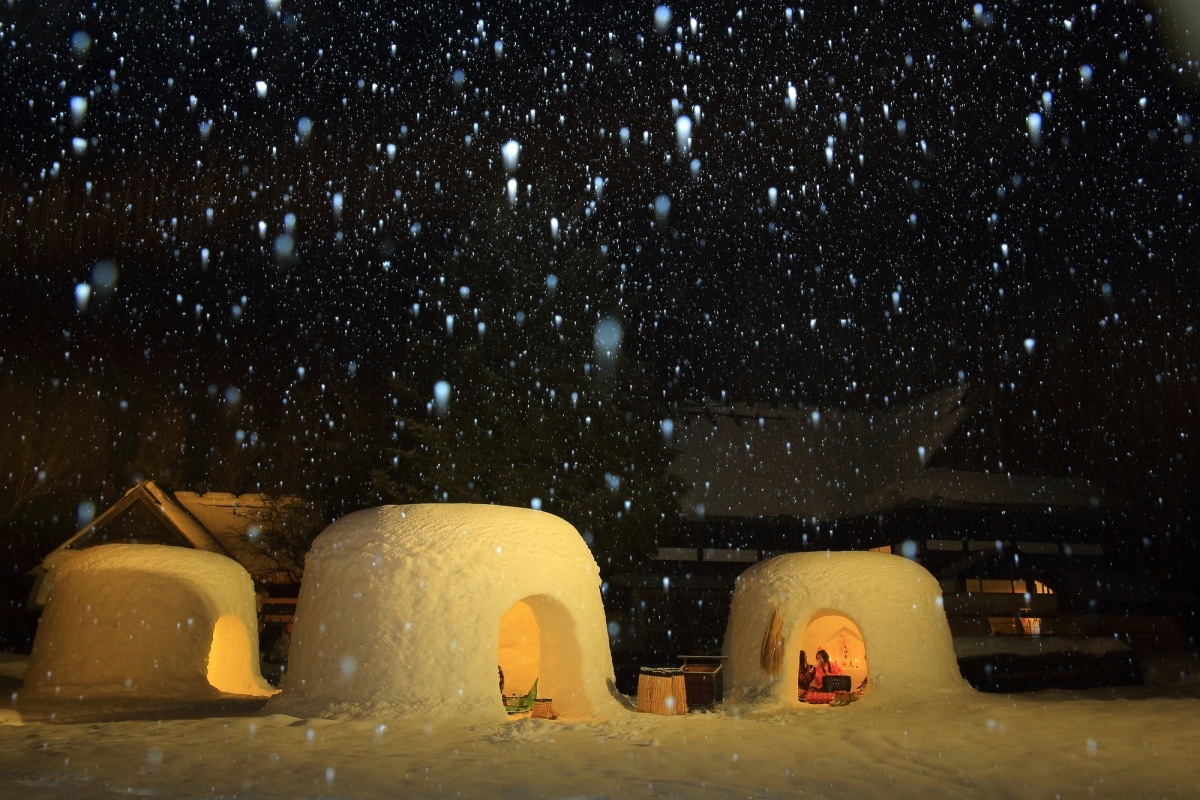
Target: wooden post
(662,691)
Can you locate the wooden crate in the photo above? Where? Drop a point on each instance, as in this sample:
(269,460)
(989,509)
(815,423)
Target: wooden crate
(702,676)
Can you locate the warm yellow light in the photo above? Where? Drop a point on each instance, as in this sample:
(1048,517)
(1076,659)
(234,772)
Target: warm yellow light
(840,637)
(230,665)
(520,652)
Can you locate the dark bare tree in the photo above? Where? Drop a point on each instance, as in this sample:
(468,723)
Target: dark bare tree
(50,442)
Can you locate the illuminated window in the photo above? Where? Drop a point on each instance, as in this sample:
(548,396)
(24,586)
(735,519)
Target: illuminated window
(1015,626)
(991,586)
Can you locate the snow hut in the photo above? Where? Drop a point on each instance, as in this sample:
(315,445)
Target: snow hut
(216,522)
(146,621)
(411,609)
(877,615)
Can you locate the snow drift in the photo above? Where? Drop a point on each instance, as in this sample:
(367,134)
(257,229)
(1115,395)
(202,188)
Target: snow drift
(408,610)
(146,621)
(878,615)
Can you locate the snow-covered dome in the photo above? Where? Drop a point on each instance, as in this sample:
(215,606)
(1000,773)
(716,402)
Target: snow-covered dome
(878,615)
(409,610)
(146,621)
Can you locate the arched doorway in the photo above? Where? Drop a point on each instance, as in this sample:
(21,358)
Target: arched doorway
(232,666)
(840,637)
(538,642)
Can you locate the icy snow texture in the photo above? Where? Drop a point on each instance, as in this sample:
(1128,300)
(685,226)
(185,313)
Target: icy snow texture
(895,604)
(146,621)
(401,613)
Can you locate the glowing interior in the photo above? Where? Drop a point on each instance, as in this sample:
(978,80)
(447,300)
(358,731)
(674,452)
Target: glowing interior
(520,653)
(841,639)
(538,641)
(230,668)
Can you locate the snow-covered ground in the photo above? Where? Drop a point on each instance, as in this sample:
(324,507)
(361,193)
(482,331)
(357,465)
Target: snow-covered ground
(1131,742)
(382,702)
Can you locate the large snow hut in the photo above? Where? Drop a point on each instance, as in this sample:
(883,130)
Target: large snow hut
(412,608)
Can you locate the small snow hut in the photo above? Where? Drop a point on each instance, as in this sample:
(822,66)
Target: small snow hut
(215,522)
(412,608)
(146,621)
(879,616)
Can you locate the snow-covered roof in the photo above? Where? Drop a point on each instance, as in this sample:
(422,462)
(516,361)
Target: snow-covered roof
(955,488)
(822,465)
(238,522)
(145,515)
(215,522)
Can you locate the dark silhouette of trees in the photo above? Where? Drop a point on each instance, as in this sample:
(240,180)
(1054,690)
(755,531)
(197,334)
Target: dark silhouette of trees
(517,389)
(51,442)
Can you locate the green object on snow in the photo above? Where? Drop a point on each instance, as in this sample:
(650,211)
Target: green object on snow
(516,704)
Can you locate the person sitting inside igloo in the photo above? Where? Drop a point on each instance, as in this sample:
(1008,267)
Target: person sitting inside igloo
(823,669)
(805,674)
(879,617)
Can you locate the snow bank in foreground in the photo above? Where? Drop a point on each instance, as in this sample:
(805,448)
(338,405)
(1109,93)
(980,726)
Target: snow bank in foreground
(408,610)
(879,616)
(146,621)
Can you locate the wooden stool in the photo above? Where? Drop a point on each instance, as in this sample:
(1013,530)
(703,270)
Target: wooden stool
(661,690)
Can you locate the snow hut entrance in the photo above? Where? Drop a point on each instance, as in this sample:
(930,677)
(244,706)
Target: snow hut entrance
(838,636)
(232,659)
(538,642)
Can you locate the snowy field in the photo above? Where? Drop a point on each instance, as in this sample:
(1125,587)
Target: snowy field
(1132,742)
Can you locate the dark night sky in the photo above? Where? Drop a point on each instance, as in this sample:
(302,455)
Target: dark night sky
(906,223)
